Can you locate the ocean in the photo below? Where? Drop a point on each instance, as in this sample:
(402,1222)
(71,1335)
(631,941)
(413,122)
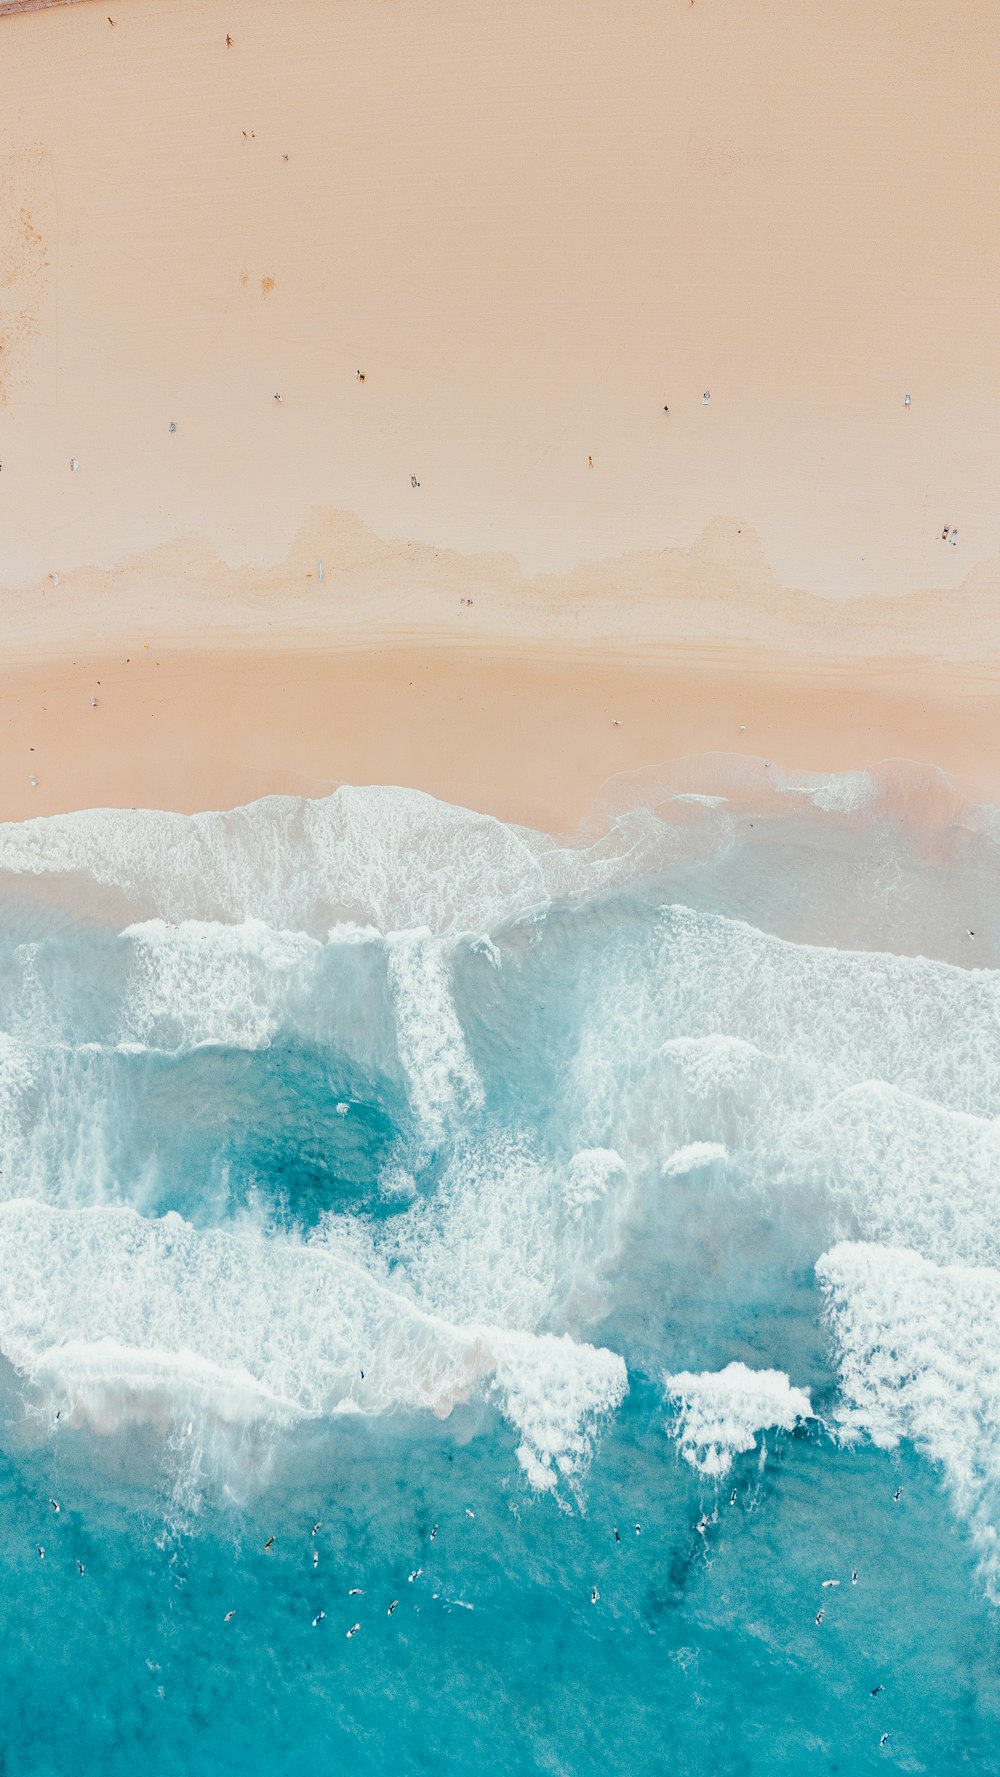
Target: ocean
(472,1303)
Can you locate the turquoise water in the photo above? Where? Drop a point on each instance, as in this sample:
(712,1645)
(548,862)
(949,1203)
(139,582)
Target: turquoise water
(585,1252)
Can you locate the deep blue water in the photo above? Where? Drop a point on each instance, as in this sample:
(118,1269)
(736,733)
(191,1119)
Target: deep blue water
(397,1187)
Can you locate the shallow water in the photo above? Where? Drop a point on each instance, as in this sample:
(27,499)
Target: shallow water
(445,1204)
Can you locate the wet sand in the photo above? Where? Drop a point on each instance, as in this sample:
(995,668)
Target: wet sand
(526,738)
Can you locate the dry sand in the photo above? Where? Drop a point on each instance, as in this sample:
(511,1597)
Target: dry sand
(532,227)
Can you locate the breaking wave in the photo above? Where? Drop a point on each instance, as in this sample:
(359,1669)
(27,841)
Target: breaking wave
(373,1106)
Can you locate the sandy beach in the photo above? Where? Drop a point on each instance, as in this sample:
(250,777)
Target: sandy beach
(521,552)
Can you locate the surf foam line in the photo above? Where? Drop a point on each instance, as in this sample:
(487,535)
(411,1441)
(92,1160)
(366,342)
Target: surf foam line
(393,858)
(116,1318)
(241,985)
(440,1073)
(709,1010)
(719,1413)
(918,1349)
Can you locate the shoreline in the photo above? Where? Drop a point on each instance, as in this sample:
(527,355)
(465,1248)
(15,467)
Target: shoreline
(367,660)
(517,734)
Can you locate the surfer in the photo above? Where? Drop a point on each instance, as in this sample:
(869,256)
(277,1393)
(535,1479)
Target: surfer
(594,1595)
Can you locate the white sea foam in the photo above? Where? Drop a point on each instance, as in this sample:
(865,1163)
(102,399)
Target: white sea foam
(912,1173)
(513,1240)
(719,1413)
(926,1027)
(394,858)
(432,1047)
(115,1317)
(869,1079)
(835,793)
(740,1018)
(918,1347)
(587,1178)
(554,1391)
(693,1155)
(201,982)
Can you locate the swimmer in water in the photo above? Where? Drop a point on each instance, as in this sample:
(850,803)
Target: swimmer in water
(617,1536)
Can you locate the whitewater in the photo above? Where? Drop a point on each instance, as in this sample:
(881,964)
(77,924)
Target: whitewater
(471,1301)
